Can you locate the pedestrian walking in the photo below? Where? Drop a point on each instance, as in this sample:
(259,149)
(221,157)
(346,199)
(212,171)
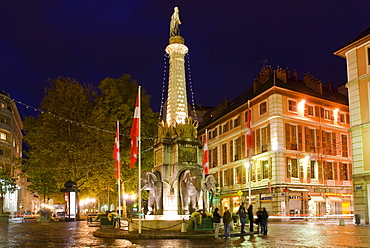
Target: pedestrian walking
(227,218)
(264,217)
(251,218)
(216,222)
(242,215)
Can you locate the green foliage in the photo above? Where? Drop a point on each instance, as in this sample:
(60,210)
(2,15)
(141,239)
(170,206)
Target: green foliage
(73,138)
(7,185)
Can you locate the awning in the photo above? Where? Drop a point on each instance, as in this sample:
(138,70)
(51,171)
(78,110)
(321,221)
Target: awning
(334,198)
(298,189)
(318,199)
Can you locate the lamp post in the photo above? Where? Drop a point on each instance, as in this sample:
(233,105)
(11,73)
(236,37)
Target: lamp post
(247,166)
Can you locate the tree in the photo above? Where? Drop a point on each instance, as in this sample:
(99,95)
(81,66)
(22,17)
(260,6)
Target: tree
(7,185)
(73,138)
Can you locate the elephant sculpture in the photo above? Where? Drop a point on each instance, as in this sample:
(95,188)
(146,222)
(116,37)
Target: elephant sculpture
(208,185)
(190,186)
(153,184)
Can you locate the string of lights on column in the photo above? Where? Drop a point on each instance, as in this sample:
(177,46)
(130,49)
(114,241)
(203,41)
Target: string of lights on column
(77,123)
(190,84)
(165,59)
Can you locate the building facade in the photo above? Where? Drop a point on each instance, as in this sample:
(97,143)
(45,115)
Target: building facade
(11,147)
(357,55)
(300,164)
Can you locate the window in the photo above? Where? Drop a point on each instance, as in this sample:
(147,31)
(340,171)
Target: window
(342,118)
(224,153)
(265,139)
(3,136)
(263,108)
(344,139)
(310,139)
(368,55)
(2,152)
(214,133)
(215,175)
(329,170)
(228,177)
(292,167)
(327,115)
(237,149)
(293,137)
(314,170)
(237,122)
(265,169)
(310,110)
(329,143)
(344,171)
(240,175)
(213,157)
(292,105)
(2,105)
(225,127)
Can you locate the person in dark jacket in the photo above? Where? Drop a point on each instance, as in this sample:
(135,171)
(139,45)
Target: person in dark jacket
(259,220)
(242,215)
(227,218)
(264,217)
(216,222)
(250,217)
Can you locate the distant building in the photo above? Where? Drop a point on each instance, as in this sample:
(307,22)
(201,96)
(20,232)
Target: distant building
(357,54)
(11,147)
(301,156)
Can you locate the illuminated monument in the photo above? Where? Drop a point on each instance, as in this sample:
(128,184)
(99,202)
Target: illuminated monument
(176,181)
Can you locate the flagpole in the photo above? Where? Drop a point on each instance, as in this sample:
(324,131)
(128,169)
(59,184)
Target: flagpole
(139,159)
(249,155)
(119,179)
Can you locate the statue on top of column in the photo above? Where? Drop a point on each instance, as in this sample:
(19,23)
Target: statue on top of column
(174,24)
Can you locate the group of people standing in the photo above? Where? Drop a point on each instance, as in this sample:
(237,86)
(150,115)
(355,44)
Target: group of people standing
(261,220)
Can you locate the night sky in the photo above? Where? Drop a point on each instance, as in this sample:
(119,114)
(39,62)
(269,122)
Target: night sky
(228,41)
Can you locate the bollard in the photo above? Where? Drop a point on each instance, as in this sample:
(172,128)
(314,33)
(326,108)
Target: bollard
(341,222)
(183,226)
(131,226)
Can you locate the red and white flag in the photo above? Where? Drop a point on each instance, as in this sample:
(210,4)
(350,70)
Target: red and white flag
(205,155)
(134,134)
(249,140)
(116,154)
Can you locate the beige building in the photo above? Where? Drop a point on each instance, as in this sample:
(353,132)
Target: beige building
(357,54)
(11,147)
(301,156)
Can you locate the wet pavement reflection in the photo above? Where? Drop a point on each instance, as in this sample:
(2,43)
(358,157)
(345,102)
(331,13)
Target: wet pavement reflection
(290,234)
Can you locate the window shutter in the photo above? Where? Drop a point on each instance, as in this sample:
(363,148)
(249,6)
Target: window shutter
(258,141)
(288,168)
(306,139)
(253,143)
(341,171)
(268,137)
(334,139)
(231,155)
(317,111)
(350,171)
(318,142)
(300,138)
(287,136)
(270,168)
(243,147)
(320,165)
(347,118)
(335,170)
(253,172)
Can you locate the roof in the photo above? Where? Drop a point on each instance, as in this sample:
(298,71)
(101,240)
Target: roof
(362,37)
(291,84)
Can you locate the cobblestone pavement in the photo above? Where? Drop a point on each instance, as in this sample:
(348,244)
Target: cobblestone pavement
(289,234)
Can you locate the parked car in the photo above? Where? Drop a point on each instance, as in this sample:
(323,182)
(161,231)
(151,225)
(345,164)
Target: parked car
(60,215)
(29,215)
